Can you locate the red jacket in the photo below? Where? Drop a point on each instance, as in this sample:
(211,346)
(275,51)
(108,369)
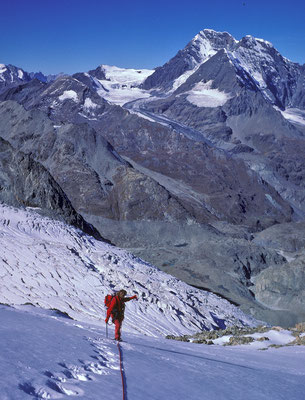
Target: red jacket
(117,307)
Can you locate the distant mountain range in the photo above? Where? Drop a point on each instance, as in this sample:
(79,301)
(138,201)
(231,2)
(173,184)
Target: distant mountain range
(189,165)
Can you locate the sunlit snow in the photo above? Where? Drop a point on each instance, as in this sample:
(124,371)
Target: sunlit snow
(122,84)
(294,115)
(46,356)
(69,95)
(51,265)
(89,104)
(183,78)
(203,96)
(2,68)
(20,74)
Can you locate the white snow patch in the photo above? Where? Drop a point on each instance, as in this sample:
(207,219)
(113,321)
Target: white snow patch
(87,117)
(69,95)
(122,84)
(203,96)
(203,46)
(2,68)
(222,340)
(281,337)
(141,115)
(121,95)
(183,78)
(128,76)
(269,44)
(89,104)
(20,74)
(289,256)
(294,115)
(274,337)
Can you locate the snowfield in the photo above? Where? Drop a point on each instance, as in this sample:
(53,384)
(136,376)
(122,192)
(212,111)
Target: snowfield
(203,96)
(122,84)
(46,356)
(54,266)
(53,338)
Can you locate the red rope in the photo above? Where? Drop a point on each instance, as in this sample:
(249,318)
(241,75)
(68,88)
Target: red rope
(122,373)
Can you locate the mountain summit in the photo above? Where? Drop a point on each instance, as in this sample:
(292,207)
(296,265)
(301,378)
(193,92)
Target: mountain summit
(254,60)
(186,165)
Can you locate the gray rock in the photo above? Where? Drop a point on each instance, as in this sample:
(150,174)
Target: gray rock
(238,167)
(235,341)
(92,174)
(26,183)
(287,237)
(283,287)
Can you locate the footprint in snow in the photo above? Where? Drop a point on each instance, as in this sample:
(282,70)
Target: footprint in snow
(51,390)
(64,383)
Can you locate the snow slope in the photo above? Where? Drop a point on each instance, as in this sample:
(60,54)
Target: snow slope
(46,356)
(294,115)
(202,95)
(122,84)
(54,266)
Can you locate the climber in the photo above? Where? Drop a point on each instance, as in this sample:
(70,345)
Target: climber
(116,311)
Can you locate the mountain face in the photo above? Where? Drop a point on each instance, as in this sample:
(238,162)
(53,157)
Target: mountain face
(200,49)
(26,183)
(256,62)
(219,182)
(245,98)
(183,165)
(96,179)
(45,78)
(12,76)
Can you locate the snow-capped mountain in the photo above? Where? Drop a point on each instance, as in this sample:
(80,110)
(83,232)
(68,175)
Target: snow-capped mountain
(240,96)
(215,136)
(176,71)
(116,85)
(256,62)
(12,76)
(51,265)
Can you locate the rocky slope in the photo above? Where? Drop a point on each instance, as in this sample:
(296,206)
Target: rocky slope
(206,153)
(239,95)
(26,183)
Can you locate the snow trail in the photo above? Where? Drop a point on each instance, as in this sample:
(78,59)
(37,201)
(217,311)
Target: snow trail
(46,356)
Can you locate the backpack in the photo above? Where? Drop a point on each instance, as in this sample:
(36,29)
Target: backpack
(118,311)
(108,299)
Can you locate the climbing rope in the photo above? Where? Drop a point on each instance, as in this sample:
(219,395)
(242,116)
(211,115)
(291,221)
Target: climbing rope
(122,373)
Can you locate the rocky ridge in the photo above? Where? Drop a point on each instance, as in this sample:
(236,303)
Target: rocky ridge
(234,336)
(26,183)
(193,169)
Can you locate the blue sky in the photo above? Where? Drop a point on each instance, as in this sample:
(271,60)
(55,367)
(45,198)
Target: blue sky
(74,35)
